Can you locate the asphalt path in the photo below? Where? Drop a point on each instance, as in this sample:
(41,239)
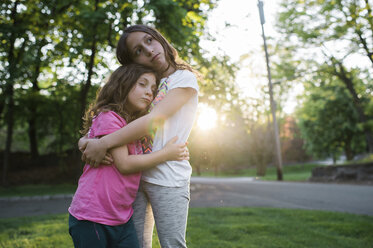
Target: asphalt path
(230,192)
(246,192)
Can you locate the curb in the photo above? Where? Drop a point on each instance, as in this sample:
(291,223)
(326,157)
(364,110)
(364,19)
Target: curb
(33,198)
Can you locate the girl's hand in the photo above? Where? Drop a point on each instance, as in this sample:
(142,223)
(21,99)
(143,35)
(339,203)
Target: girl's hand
(108,159)
(175,151)
(94,152)
(82,144)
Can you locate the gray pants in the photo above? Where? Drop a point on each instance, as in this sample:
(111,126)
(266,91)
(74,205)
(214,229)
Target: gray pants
(168,207)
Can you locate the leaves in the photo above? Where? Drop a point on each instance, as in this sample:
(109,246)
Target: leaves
(328,121)
(323,46)
(60,46)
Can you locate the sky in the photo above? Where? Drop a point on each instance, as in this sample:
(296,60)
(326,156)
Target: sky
(244,35)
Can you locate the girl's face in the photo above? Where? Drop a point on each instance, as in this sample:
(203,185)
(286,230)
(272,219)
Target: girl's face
(142,93)
(147,51)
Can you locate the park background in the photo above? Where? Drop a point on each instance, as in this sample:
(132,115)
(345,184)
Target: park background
(54,55)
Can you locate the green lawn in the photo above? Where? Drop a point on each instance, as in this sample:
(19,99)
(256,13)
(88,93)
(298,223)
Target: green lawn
(300,172)
(220,227)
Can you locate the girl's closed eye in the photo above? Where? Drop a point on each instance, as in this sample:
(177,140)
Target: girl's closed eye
(138,52)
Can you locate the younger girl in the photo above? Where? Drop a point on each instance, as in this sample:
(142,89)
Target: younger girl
(101,210)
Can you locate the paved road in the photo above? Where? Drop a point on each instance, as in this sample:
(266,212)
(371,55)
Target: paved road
(231,192)
(356,199)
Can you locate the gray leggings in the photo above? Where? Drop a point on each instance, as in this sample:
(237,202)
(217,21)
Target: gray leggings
(168,207)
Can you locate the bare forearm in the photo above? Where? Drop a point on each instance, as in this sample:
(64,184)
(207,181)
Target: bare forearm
(83,142)
(137,163)
(133,131)
(95,150)
(173,101)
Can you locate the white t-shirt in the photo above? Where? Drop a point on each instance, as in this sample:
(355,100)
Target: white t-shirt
(175,173)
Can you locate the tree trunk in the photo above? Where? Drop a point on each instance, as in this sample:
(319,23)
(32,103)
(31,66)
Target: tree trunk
(33,109)
(9,133)
(261,165)
(348,150)
(32,133)
(87,86)
(334,159)
(261,169)
(216,168)
(370,20)
(9,96)
(2,103)
(198,169)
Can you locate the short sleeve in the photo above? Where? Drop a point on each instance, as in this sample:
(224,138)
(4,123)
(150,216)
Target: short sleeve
(106,123)
(183,79)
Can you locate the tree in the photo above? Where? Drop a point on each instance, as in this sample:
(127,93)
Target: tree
(14,39)
(225,146)
(261,146)
(292,144)
(54,49)
(328,122)
(29,29)
(333,33)
(36,58)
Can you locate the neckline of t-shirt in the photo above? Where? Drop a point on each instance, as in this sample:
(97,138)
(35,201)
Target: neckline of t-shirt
(171,75)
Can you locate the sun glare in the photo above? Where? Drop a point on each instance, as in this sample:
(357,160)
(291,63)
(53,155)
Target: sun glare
(207,117)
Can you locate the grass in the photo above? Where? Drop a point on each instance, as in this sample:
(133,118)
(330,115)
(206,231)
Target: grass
(298,173)
(291,172)
(219,227)
(366,159)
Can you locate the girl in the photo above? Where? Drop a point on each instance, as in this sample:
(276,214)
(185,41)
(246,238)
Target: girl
(101,210)
(164,190)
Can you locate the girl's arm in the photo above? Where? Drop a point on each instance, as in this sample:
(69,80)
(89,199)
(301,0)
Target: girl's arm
(107,160)
(127,164)
(82,142)
(95,149)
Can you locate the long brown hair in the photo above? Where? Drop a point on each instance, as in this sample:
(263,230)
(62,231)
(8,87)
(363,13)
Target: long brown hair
(113,95)
(124,56)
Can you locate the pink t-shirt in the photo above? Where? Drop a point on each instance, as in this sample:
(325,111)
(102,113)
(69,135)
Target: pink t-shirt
(104,195)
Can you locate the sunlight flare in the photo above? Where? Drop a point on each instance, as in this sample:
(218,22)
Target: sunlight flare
(207,117)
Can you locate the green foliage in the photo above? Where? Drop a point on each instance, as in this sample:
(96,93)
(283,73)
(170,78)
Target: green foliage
(217,86)
(55,54)
(318,48)
(315,22)
(328,123)
(64,50)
